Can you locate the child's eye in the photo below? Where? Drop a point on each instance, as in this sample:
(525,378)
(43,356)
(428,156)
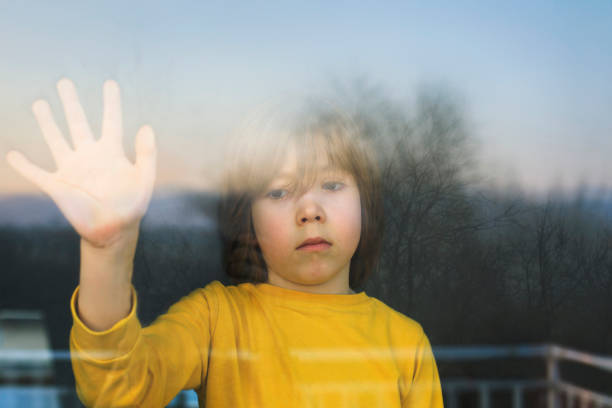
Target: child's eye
(277,194)
(333,185)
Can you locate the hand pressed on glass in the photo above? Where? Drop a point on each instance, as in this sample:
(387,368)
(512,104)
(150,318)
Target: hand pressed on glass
(95,186)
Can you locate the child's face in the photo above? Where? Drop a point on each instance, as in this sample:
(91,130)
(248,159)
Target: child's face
(329,211)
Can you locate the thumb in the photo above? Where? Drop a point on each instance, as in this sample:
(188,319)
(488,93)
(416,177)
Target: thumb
(146,155)
(35,174)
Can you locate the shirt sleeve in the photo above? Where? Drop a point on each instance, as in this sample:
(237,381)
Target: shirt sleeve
(128,365)
(420,381)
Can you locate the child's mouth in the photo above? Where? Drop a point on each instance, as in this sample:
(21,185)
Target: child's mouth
(314,244)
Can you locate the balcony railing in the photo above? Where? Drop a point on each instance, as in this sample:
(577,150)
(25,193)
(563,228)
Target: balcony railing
(558,392)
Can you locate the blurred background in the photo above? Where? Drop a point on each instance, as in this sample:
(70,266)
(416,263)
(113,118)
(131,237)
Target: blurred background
(492,126)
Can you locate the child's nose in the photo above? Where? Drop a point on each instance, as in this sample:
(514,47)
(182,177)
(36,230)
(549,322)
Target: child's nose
(309,210)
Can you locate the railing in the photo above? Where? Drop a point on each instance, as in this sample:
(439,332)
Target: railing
(557,390)
(559,393)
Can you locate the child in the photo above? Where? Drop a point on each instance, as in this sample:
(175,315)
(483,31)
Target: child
(300,223)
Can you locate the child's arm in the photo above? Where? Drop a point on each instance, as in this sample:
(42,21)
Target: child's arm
(130,366)
(101,193)
(105,281)
(104,197)
(420,383)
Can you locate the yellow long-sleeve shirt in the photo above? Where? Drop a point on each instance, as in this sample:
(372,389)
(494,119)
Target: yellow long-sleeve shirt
(259,345)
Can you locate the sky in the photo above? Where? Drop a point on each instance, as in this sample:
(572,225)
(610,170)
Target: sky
(535,77)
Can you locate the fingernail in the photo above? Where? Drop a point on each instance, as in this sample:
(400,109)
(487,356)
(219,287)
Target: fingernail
(64,84)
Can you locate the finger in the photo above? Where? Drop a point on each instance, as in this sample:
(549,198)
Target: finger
(53,136)
(112,122)
(77,121)
(35,174)
(146,158)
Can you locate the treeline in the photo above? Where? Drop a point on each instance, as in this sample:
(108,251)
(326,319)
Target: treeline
(476,265)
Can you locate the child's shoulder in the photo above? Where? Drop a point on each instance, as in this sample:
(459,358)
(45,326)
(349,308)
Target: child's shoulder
(397,321)
(214,286)
(218,290)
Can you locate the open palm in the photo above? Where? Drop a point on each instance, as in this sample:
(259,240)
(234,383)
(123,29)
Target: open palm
(99,191)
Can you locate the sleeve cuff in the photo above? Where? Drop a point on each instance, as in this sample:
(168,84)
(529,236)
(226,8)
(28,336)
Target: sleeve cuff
(109,344)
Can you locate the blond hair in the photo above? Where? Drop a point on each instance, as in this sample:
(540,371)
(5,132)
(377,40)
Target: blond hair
(314,127)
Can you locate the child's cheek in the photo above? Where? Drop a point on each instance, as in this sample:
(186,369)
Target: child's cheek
(276,230)
(271,227)
(354,223)
(347,214)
